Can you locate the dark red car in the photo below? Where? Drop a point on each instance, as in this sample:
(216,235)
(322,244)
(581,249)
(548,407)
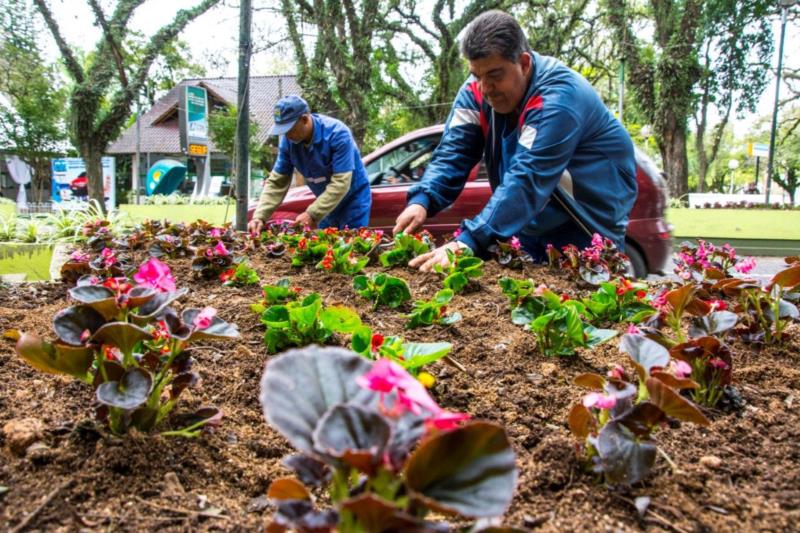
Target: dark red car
(393,167)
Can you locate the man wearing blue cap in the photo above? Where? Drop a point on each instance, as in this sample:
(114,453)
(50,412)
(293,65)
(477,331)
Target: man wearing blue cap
(322,150)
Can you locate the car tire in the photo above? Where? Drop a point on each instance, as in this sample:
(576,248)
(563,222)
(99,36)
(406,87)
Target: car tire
(637,266)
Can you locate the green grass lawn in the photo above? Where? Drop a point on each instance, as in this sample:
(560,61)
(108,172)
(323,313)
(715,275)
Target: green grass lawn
(30,259)
(735,223)
(215,214)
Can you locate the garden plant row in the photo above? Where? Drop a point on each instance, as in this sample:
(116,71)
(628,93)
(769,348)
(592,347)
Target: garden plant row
(370,440)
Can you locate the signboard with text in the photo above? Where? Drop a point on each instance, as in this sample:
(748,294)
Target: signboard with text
(193,120)
(758,150)
(71,183)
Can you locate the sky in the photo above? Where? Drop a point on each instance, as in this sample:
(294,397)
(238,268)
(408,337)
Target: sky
(213,40)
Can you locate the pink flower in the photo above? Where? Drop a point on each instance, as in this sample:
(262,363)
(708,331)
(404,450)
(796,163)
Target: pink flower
(514,243)
(686,258)
(717,363)
(538,291)
(215,233)
(680,369)
(85,334)
(445,420)
(386,376)
(220,250)
(660,301)
(745,265)
(204,318)
(79,257)
(633,330)
(616,373)
(599,401)
(109,257)
(597,240)
(457,233)
(156,275)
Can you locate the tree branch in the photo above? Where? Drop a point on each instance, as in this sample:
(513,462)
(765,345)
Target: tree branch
(72,64)
(112,44)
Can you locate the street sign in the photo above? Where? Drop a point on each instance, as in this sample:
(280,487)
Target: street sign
(193,120)
(758,150)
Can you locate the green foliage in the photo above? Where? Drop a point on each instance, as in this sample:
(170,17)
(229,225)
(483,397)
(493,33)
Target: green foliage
(405,248)
(305,322)
(382,289)
(619,301)
(222,127)
(433,311)
(410,355)
(32,95)
(462,268)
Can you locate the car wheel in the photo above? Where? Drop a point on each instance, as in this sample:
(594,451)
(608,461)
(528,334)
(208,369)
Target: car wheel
(637,266)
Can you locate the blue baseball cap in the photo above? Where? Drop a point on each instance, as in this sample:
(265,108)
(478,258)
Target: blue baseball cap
(287,111)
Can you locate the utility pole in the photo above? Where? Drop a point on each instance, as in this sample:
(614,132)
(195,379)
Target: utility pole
(785,5)
(243,116)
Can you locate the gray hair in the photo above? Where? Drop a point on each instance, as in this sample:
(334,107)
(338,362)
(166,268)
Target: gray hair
(494,32)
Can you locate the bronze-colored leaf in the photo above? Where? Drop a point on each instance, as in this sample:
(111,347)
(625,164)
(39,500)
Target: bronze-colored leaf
(287,488)
(581,422)
(673,404)
(674,382)
(590,381)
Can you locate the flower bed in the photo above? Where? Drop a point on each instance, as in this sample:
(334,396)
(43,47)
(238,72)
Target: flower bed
(739,471)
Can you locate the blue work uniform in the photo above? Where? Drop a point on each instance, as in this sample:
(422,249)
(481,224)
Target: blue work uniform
(332,150)
(561,168)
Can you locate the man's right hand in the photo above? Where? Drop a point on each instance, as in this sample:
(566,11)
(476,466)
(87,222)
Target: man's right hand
(411,219)
(255,226)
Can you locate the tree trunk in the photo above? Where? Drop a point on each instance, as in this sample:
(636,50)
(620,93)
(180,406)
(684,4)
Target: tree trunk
(702,159)
(672,144)
(92,156)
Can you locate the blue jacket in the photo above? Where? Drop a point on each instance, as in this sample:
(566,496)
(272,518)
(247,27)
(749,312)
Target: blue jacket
(564,146)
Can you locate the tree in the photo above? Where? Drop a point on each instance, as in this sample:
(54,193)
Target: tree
(105,88)
(222,127)
(663,74)
(733,34)
(336,71)
(32,121)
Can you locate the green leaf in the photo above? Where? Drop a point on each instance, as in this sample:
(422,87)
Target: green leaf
(361,342)
(419,354)
(340,319)
(470,471)
(455,281)
(599,336)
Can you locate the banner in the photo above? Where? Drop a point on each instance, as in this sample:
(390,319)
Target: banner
(193,121)
(71,185)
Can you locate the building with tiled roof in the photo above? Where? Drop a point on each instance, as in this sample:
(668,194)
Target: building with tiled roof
(159,136)
(159,125)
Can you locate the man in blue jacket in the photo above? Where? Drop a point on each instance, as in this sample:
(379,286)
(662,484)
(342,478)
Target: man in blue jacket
(322,150)
(561,167)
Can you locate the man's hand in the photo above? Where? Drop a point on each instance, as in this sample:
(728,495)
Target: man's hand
(255,226)
(426,262)
(411,219)
(305,219)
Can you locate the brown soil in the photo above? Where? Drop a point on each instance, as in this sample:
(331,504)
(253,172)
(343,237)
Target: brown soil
(103,482)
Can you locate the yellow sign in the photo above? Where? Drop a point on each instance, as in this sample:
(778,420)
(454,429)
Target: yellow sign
(198,149)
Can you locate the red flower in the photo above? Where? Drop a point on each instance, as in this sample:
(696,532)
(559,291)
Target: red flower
(564,297)
(227,275)
(302,244)
(327,261)
(640,294)
(377,341)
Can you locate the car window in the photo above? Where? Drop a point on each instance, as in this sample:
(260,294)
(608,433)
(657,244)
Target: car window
(404,164)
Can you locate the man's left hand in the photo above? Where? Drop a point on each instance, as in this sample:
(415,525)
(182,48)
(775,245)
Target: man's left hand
(426,262)
(305,219)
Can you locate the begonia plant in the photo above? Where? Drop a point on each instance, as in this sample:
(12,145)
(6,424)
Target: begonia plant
(211,261)
(386,452)
(342,259)
(510,254)
(405,247)
(304,322)
(461,269)
(433,311)
(615,423)
(619,301)
(241,275)
(595,264)
(127,342)
(382,289)
(412,356)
